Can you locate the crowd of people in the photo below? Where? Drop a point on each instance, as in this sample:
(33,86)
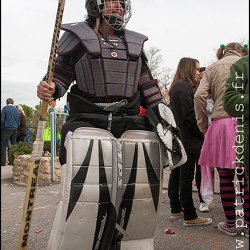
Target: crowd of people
(201,130)
(220,143)
(13,128)
(212,114)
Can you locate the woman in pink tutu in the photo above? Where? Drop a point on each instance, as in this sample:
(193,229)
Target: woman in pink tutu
(219,149)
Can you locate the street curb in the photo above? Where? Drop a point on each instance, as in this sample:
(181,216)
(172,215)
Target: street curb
(6,172)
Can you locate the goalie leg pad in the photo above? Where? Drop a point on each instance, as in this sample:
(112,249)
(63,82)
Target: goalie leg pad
(142,180)
(92,191)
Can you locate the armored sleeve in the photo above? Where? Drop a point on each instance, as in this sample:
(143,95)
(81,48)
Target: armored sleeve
(68,51)
(150,91)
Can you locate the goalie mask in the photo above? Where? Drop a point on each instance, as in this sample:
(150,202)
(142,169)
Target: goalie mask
(116,12)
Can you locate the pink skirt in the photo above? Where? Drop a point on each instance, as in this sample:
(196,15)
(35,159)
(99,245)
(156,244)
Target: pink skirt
(218,149)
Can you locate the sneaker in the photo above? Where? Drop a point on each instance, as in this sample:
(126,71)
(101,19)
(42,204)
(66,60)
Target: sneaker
(203,207)
(175,216)
(231,231)
(47,153)
(246,232)
(198,222)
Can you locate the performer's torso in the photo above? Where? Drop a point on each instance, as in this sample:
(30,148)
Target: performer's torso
(110,74)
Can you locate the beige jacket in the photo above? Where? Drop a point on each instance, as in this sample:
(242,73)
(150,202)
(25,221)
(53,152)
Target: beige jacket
(213,82)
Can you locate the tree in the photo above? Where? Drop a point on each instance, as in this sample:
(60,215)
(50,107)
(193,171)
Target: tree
(29,112)
(164,75)
(154,60)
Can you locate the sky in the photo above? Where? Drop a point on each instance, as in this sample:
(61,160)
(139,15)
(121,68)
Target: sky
(179,28)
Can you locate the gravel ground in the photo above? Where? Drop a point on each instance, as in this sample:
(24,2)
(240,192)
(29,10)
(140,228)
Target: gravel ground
(193,238)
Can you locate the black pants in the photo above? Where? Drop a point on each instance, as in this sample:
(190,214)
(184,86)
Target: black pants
(6,137)
(180,191)
(198,178)
(119,124)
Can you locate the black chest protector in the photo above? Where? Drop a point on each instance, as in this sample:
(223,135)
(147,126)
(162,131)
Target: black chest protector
(106,69)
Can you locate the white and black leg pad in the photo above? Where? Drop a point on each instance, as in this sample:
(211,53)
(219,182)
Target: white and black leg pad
(87,215)
(142,180)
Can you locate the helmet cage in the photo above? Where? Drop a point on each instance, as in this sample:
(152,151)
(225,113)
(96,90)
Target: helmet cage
(116,21)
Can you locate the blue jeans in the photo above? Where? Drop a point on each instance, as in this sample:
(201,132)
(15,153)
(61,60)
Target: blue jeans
(6,136)
(180,189)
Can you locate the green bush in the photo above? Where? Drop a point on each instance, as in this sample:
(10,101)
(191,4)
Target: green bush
(20,148)
(23,148)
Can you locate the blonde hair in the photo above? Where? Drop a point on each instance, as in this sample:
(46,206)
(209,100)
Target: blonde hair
(20,108)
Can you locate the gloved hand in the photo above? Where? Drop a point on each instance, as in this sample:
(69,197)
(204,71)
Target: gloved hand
(161,117)
(172,146)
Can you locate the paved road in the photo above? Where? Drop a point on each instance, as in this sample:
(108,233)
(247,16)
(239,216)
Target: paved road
(188,238)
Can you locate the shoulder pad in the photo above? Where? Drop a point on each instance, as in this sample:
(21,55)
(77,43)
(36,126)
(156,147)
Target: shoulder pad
(82,33)
(144,56)
(67,43)
(135,42)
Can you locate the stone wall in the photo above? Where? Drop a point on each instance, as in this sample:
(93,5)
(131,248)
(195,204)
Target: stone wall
(21,170)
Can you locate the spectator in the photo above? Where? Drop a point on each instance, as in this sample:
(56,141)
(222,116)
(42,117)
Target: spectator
(205,188)
(236,103)
(218,149)
(21,130)
(10,120)
(181,179)
(52,106)
(47,130)
(203,207)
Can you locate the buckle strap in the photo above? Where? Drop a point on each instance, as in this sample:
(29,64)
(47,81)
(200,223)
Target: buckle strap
(113,106)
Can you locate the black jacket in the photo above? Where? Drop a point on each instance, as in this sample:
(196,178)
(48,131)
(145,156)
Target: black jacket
(182,104)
